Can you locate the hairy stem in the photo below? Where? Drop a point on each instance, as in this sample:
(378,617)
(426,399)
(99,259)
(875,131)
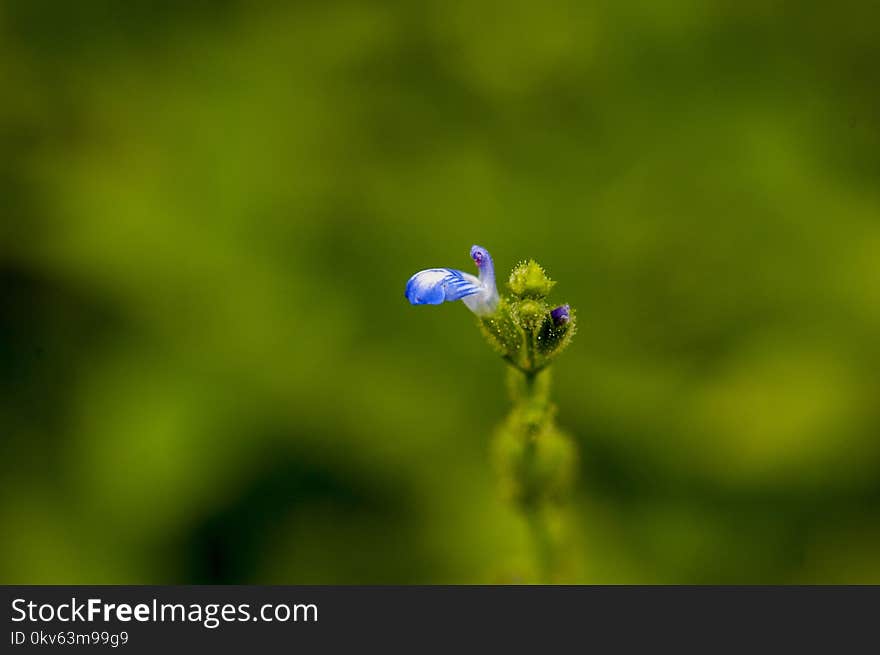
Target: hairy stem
(535,401)
(542,542)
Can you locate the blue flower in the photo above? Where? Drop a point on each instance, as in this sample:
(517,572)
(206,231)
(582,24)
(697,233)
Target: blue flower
(434,286)
(561,315)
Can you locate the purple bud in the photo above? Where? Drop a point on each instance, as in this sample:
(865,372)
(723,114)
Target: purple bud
(561,315)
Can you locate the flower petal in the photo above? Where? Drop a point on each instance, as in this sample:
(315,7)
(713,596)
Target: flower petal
(561,315)
(438,285)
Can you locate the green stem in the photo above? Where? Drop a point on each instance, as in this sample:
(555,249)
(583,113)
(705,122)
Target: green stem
(542,543)
(530,355)
(540,535)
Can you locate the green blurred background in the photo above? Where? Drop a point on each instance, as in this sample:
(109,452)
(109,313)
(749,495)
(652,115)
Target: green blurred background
(208,371)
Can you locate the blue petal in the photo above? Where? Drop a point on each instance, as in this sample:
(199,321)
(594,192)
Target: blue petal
(438,285)
(561,314)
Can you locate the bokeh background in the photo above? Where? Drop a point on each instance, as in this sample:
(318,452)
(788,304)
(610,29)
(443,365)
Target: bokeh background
(208,371)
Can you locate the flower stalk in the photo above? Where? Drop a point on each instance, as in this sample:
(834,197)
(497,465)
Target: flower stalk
(534,460)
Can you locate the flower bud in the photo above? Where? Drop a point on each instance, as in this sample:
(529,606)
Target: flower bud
(530,314)
(528,280)
(561,315)
(556,332)
(502,332)
(522,327)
